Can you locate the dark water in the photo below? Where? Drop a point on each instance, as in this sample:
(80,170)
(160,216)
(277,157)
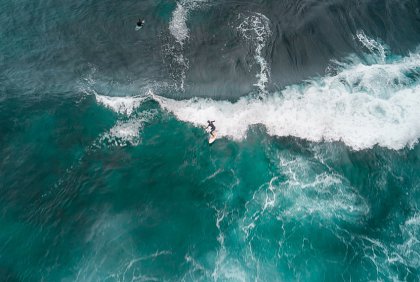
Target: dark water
(106,174)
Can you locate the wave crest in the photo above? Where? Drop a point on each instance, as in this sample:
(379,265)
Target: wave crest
(361,105)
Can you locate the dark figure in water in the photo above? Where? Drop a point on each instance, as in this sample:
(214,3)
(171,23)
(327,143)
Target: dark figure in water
(212,127)
(140,23)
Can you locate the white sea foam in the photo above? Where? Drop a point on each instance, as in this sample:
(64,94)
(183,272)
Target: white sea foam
(121,105)
(361,105)
(410,248)
(326,194)
(304,192)
(125,131)
(256,30)
(179,30)
(178,25)
(373,46)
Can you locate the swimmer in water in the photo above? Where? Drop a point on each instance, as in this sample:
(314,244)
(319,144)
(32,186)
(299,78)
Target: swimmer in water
(140,23)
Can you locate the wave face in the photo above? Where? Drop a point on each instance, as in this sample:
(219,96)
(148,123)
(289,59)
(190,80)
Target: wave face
(362,103)
(107,174)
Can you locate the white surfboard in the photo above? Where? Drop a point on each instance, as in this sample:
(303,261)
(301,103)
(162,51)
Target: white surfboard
(212,138)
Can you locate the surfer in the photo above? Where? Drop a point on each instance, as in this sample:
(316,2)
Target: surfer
(140,23)
(212,127)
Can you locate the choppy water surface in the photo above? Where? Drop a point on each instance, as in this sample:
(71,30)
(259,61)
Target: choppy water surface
(106,174)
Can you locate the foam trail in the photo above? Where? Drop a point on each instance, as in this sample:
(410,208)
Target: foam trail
(373,46)
(178,25)
(362,105)
(179,30)
(256,29)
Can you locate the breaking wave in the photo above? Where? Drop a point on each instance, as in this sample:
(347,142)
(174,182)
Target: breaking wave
(359,103)
(127,129)
(121,105)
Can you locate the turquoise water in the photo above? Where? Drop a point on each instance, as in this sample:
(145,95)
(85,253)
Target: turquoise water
(107,175)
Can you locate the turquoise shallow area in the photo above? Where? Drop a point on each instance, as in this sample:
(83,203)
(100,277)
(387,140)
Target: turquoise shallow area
(102,190)
(174,208)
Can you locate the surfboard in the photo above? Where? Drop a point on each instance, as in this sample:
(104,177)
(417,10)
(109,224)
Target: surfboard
(212,138)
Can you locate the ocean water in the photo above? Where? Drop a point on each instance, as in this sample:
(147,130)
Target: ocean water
(105,169)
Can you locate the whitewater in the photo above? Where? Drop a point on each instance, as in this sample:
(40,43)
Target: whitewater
(361,104)
(107,173)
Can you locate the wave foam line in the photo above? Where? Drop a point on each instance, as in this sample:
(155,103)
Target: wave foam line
(256,29)
(362,105)
(373,46)
(179,30)
(178,25)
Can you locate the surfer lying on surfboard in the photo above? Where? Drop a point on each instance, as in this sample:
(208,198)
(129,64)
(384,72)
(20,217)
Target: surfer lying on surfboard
(140,23)
(212,127)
